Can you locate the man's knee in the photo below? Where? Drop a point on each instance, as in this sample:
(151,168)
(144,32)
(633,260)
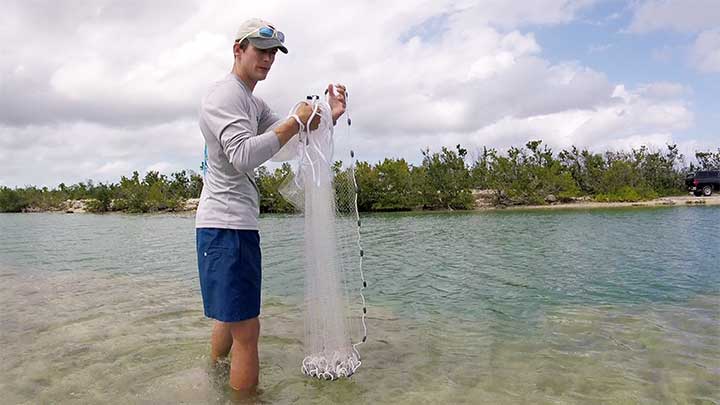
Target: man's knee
(245,332)
(221,328)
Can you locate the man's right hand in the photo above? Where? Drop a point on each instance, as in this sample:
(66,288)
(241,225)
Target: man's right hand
(290,127)
(304,111)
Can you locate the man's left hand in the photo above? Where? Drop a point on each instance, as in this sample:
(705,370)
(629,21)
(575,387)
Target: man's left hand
(336,100)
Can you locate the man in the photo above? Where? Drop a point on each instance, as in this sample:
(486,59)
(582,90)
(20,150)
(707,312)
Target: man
(241,133)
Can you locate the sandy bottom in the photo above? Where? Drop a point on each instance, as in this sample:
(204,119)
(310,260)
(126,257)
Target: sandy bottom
(92,337)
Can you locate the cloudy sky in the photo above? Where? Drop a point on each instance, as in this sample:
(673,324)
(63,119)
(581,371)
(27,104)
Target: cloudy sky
(97,89)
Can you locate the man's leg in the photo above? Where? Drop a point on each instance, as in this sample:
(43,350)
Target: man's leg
(245,365)
(220,342)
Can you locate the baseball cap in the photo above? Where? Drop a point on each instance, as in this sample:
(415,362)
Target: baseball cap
(261,34)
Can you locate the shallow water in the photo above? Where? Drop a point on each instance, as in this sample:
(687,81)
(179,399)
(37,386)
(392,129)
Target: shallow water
(600,306)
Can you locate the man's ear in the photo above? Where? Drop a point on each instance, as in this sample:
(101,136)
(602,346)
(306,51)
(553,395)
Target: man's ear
(236,49)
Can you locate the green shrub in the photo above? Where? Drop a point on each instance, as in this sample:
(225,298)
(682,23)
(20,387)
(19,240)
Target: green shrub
(11,200)
(628,194)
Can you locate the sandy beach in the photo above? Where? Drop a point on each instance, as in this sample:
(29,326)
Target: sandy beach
(675,201)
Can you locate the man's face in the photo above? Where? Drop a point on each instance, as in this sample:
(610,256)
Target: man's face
(256,63)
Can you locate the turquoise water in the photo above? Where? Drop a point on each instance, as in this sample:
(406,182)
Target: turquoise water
(597,306)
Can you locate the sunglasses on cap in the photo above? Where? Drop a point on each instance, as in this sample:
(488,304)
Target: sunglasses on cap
(265,32)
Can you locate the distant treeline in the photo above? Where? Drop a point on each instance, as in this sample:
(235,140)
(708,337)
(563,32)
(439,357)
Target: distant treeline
(155,192)
(532,174)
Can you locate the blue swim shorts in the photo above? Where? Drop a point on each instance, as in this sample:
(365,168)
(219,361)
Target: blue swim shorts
(229,264)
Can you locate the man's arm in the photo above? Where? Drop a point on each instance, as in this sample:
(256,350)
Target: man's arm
(286,128)
(230,121)
(245,151)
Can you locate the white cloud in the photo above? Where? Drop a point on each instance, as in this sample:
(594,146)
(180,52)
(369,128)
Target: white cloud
(663,90)
(508,14)
(705,52)
(50,154)
(626,118)
(164,167)
(114,167)
(677,15)
(700,17)
(161,79)
(116,86)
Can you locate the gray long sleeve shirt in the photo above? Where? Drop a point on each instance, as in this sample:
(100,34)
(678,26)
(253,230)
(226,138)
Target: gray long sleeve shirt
(237,129)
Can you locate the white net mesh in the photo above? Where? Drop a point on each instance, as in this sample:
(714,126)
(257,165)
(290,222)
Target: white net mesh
(326,195)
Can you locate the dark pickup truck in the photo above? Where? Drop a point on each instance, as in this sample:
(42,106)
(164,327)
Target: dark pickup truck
(703,182)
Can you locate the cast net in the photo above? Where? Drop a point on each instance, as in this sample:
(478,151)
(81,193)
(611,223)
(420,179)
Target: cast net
(326,193)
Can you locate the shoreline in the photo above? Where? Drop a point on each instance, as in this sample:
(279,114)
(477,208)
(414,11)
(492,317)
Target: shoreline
(673,201)
(78,206)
